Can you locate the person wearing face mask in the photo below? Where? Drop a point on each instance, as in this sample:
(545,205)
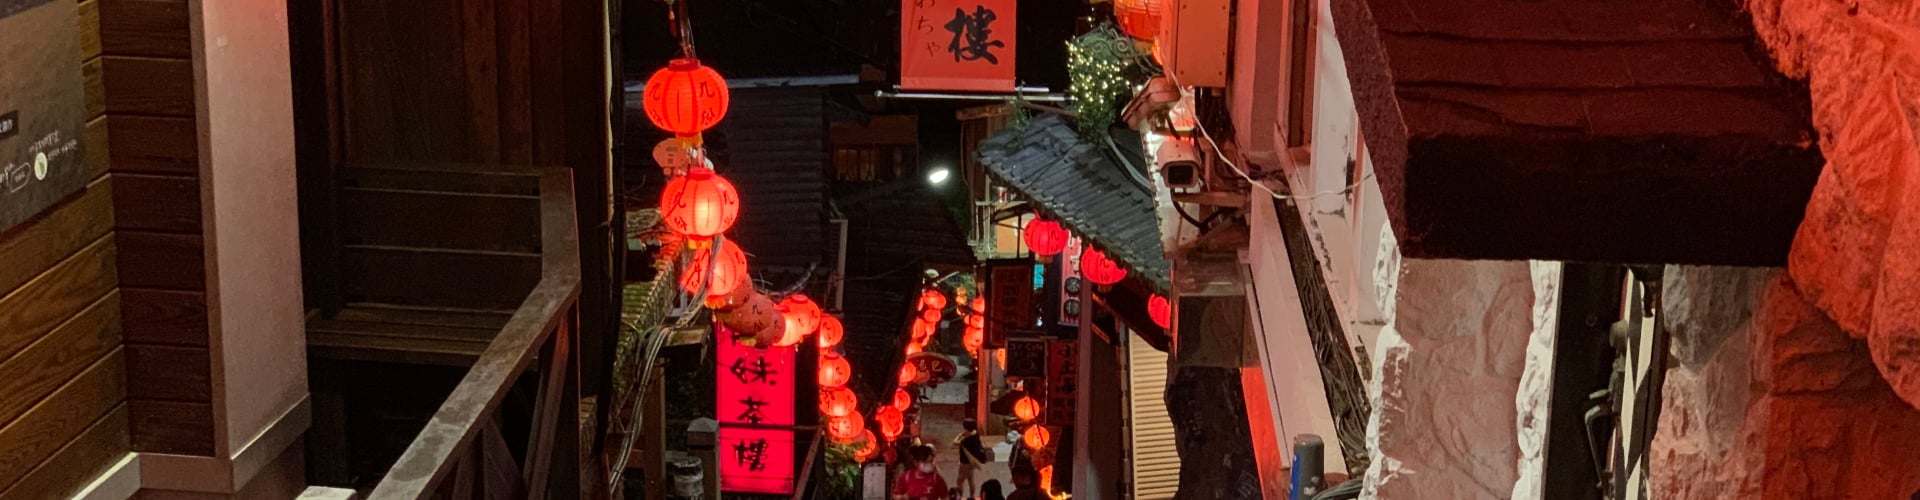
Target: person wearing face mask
(922,481)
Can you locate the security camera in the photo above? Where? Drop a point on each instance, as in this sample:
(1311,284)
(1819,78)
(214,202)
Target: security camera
(1179,165)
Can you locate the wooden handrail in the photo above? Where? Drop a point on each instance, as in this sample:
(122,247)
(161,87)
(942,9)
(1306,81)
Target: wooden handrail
(547,314)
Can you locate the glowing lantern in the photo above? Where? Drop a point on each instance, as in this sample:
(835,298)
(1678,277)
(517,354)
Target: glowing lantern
(892,421)
(838,401)
(834,371)
(1099,269)
(868,447)
(909,373)
(685,97)
(1026,408)
(923,329)
(1045,237)
(1037,437)
(977,322)
(699,205)
(914,348)
(830,331)
(973,340)
(933,299)
(728,272)
(1160,310)
(902,399)
(1138,18)
(930,315)
(979,305)
(846,428)
(1046,480)
(801,313)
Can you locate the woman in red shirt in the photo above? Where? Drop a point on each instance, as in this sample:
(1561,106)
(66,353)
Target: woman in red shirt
(922,481)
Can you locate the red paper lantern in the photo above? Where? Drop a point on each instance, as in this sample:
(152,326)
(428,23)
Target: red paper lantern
(729,271)
(902,399)
(1099,269)
(979,305)
(868,447)
(838,401)
(1138,18)
(685,97)
(914,348)
(973,340)
(801,314)
(892,421)
(846,428)
(923,329)
(834,371)
(909,374)
(977,322)
(699,205)
(1160,310)
(933,299)
(1045,237)
(930,315)
(831,332)
(1026,408)
(1036,437)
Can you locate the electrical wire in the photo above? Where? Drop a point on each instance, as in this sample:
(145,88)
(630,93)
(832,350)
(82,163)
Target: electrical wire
(1215,146)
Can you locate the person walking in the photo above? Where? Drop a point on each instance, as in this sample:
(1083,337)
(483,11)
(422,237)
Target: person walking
(972,455)
(922,481)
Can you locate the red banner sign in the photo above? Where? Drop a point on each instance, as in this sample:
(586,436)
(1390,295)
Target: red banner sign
(1010,300)
(756,398)
(957,45)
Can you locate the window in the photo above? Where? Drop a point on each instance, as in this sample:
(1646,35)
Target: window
(872,163)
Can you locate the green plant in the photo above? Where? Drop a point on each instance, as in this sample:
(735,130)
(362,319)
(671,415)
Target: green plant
(1102,66)
(842,474)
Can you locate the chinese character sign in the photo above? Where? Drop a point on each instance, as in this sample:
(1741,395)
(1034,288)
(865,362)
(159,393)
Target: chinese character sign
(957,45)
(756,391)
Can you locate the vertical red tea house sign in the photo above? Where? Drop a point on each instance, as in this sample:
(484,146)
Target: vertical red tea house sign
(957,45)
(756,413)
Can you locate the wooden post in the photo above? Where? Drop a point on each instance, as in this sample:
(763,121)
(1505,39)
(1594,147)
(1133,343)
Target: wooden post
(653,434)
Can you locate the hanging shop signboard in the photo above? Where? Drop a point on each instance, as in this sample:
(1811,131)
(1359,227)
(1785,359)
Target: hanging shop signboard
(1063,381)
(1026,357)
(1070,284)
(42,108)
(756,412)
(965,45)
(1009,299)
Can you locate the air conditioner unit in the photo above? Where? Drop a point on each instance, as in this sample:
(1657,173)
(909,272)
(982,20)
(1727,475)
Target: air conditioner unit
(1195,34)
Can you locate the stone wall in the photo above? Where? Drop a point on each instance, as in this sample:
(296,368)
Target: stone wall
(1857,254)
(1446,378)
(1770,399)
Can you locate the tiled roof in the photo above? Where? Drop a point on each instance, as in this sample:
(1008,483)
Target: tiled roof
(1086,188)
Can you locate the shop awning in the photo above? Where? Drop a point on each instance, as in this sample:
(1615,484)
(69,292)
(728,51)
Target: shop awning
(1085,186)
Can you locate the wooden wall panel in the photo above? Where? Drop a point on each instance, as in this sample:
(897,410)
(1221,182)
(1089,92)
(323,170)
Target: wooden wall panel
(52,298)
(165,203)
(164,317)
(58,357)
(60,418)
(171,427)
(154,28)
(170,373)
(66,229)
(148,85)
(164,261)
(153,144)
(78,462)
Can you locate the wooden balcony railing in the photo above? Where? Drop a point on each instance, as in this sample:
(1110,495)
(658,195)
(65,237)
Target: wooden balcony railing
(462,452)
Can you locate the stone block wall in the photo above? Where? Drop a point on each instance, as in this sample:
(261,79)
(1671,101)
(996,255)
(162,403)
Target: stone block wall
(1770,399)
(1447,376)
(1857,253)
